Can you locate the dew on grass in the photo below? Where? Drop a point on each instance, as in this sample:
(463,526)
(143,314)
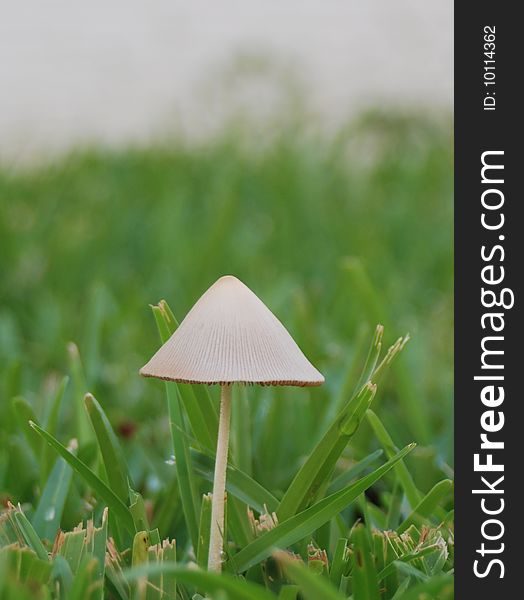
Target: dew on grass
(50,514)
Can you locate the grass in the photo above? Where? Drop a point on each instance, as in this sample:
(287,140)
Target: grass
(335,235)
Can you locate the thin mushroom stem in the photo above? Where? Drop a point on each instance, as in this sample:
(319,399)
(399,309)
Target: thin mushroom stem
(216,539)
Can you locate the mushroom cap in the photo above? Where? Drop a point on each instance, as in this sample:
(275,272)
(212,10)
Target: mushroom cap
(231,336)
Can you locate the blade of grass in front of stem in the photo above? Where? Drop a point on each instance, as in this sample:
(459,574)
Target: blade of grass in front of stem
(312,586)
(238,483)
(304,523)
(431,501)
(97,485)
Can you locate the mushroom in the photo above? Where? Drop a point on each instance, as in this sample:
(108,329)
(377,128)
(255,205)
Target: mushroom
(230,336)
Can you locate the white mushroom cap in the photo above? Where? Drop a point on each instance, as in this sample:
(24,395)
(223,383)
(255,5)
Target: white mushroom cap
(231,336)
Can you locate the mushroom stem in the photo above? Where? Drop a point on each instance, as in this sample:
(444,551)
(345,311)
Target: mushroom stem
(216,539)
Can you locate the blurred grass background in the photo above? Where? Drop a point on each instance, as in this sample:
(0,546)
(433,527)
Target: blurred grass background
(334,233)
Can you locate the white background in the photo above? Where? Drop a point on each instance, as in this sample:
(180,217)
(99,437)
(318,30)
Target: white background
(125,70)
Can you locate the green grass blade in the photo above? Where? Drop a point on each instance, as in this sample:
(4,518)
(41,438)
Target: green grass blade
(86,583)
(184,469)
(114,464)
(98,544)
(352,372)
(347,477)
(137,509)
(201,421)
(30,536)
(400,591)
(48,514)
(409,570)
(168,316)
(303,524)
(212,583)
(364,574)
(204,531)
(98,486)
(165,329)
(84,432)
(241,439)
(339,563)
(372,357)
(169,585)
(312,586)
(112,455)
(23,575)
(320,463)
(407,558)
(393,351)
(62,576)
(289,592)
(425,508)
(404,476)
(394,508)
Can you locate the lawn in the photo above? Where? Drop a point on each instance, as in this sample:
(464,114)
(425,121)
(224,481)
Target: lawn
(336,234)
